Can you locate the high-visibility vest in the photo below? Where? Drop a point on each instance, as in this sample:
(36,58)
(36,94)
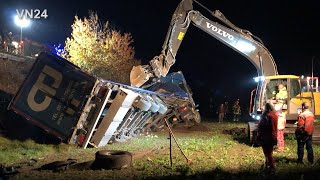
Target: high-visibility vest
(282,94)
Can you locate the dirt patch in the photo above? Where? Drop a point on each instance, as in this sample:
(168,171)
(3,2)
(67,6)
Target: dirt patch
(142,154)
(13,73)
(181,128)
(235,131)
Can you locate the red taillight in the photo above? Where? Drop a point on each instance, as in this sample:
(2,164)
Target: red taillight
(183,109)
(81,139)
(102,92)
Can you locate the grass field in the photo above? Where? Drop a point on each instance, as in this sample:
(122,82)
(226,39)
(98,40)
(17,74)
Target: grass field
(214,154)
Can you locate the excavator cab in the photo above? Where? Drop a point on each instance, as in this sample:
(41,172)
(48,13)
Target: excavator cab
(290,96)
(268,90)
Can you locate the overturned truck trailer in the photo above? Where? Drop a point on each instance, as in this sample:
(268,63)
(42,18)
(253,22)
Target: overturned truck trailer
(81,109)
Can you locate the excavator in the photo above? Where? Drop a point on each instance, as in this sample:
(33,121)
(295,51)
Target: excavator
(243,42)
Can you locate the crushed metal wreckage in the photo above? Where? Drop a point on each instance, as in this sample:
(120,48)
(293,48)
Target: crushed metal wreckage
(81,109)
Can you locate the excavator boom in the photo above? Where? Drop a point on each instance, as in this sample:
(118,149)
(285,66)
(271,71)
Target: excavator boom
(238,39)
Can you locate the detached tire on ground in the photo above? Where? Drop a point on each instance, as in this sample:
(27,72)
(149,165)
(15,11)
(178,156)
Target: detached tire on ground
(112,159)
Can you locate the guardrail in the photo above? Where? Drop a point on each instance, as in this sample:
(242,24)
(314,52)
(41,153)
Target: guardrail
(10,56)
(14,57)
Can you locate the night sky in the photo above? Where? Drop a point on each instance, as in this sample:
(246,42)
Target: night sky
(290,30)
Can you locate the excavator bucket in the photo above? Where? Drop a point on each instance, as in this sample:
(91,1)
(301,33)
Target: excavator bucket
(139,75)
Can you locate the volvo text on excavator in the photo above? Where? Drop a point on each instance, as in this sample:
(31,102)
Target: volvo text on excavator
(242,41)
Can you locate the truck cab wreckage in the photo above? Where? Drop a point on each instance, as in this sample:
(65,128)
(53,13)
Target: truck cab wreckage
(81,109)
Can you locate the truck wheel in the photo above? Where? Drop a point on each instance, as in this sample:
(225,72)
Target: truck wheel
(112,159)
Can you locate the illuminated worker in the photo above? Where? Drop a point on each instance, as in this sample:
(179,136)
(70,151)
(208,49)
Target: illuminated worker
(282,95)
(280,107)
(281,126)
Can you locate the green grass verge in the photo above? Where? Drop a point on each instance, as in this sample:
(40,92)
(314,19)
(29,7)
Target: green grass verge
(213,154)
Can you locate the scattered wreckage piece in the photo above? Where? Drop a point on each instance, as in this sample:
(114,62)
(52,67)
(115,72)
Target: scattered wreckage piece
(7,171)
(58,166)
(81,109)
(104,159)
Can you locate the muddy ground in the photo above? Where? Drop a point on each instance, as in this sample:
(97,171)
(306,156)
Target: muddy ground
(13,73)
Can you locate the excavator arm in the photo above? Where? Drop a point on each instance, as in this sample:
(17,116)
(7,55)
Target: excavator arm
(238,39)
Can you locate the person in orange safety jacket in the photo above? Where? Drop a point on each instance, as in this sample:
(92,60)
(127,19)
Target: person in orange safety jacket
(304,131)
(267,134)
